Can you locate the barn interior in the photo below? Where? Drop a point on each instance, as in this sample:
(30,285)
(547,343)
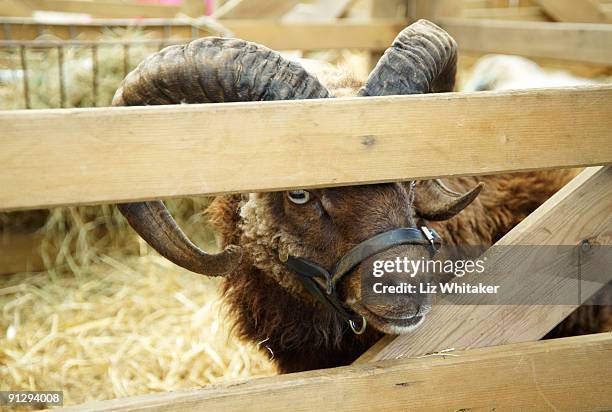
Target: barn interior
(87,303)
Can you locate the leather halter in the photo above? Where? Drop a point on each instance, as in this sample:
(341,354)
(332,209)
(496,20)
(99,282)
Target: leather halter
(321,283)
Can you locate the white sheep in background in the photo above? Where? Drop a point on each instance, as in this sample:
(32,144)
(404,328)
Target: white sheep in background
(503,72)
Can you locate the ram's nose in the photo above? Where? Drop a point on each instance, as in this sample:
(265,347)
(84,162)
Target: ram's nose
(391,287)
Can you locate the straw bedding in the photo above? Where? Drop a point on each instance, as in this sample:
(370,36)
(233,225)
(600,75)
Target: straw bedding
(110,318)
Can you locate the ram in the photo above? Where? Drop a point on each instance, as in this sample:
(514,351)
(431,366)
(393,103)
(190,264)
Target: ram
(292,261)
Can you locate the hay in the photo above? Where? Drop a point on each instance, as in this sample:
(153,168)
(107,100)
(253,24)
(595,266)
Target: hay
(120,327)
(109,317)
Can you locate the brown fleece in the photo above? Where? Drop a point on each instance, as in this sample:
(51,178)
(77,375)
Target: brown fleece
(271,308)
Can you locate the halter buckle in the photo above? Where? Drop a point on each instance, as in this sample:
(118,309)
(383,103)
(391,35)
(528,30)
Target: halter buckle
(428,235)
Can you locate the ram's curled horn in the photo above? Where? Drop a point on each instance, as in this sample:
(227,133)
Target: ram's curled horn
(153,222)
(434,201)
(208,70)
(216,70)
(422,59)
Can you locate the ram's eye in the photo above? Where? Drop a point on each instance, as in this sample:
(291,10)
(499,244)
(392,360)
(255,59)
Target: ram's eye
(299,197)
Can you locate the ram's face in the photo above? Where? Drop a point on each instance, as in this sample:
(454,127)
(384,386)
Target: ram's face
(321,226)
(332,221)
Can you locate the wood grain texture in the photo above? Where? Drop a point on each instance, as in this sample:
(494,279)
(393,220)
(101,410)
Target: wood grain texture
(78,156)
(475,4)
(566,41)
(108,9)
(320,10)
(564,374)
(582,11)
(377,34)
(371,35)
(433,9)
(20,28)
(506,13)
(255,9)
(15,8)
(373,351)
(384,9)
(581,210)
(194,8)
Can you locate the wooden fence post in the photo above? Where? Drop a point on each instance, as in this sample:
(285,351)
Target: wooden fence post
(194,8)
(385,9)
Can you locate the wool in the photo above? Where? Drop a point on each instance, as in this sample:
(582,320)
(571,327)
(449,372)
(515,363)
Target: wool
(271,307)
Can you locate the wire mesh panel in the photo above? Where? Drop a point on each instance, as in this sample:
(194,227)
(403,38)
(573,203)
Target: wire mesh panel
(41,74)
(81,64)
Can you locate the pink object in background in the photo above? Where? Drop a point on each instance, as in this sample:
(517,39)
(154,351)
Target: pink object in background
(210,7)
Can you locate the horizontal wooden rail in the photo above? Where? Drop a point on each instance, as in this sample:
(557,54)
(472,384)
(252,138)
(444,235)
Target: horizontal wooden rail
(585,11)
(566,41)
(506,13)
(475,4)
(579,211)
(46,44)
(17,28)
(98,8)
(373,35)
(76,156)
(564,374)
(255,9)
(364,35)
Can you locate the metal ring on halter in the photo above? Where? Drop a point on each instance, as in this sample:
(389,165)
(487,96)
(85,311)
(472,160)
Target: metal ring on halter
(359,331)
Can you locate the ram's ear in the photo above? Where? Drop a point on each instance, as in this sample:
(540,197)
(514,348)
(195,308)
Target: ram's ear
(435,201)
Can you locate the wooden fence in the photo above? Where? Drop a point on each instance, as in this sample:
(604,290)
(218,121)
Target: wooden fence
(103,8)
(475,133)
(488,132)
(543,10)
(478,133)
(527,376)
(22,48)
(52,157)
(564,41)
(362,35)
